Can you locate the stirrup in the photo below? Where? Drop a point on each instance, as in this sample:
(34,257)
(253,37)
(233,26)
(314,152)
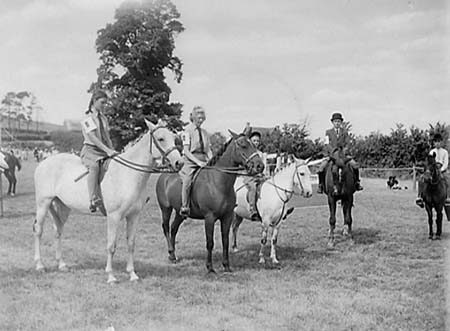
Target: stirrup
(320,189)
(447,202)
(420,203)
(184,211)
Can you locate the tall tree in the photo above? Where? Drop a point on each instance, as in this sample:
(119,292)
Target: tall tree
(134,52)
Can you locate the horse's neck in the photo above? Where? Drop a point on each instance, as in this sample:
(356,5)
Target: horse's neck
(229,171)
(139,153)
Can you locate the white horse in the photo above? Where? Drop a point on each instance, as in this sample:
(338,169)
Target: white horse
(274,195)
(59,189)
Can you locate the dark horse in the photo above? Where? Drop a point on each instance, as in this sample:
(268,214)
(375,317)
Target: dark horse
(10,173)
(339,185)
(212,196)
(434,192)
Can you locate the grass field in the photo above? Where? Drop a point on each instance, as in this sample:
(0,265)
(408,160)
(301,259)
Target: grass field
(392,278)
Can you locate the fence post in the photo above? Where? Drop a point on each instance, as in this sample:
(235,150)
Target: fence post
(414,177)
(1,195)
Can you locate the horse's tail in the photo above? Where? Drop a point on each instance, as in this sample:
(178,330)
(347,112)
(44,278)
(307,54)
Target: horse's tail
(18,163)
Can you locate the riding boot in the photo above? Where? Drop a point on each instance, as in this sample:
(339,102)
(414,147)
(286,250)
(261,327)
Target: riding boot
(92,181)
(185,192)
(320,188)
(254,215)
(358,186)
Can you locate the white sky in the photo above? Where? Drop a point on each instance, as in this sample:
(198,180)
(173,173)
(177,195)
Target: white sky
(263,61)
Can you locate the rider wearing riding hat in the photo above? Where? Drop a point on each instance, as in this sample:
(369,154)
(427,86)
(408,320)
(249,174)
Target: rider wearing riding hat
(197,152)
(253,183)
(441,156)
(337,137)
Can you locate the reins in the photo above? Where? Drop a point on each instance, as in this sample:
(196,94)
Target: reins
(143,167)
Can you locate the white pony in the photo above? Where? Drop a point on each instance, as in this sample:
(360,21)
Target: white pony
(59,189)
(275,194)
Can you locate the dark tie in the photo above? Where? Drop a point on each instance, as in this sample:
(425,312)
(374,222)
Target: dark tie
(337,132)
(102,129)
(200,140)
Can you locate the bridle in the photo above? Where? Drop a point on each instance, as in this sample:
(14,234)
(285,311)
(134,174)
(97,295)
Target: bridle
(143,167)
(237,170)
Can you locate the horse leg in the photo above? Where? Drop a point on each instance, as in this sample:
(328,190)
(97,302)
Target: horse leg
(439,216)
(332,221)
(264,231)
(131,243)
(166,213)
(38,227)
(273,244)
(225,224)
(60,214)
(173,235)
(347,211)
(237,220)
(209,231)
(112,225)
(13,185)
(430,221)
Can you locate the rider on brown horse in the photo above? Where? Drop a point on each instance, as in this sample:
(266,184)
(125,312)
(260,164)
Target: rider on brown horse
(441,156)
(337,137)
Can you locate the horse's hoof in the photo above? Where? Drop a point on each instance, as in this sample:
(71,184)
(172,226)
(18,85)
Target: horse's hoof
(63,268)
(235,250)
(430,237)
(40,268)
(172,258)
(330,245)
(275,262)
(133,277)
(261,260)
(111,279)
(211,271)
(227,269)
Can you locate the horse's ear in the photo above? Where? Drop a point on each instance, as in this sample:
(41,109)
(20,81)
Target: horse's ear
(307,160)
(233,134)
(149,124)
(161,122)
(434,154)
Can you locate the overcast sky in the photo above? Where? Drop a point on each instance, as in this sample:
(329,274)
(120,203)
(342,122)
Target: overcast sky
(262,61)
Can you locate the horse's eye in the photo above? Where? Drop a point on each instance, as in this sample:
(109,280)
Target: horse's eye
(301,173)
(160,139)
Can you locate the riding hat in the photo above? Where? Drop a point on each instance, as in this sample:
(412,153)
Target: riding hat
(255,133)
(337,116)
(437,137)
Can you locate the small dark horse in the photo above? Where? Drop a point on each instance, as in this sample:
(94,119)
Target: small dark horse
(10,173)
(339,185)
(434,193)
(212,196)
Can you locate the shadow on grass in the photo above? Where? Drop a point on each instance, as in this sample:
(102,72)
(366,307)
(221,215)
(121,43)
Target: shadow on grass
(366,236)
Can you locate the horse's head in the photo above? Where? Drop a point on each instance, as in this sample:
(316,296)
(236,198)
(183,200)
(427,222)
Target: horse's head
(340,171)
(432,173)
(303,177)
(245,154)
(162,145)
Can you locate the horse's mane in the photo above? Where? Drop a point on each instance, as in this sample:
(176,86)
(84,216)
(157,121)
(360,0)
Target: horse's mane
(133,142)
(219,153)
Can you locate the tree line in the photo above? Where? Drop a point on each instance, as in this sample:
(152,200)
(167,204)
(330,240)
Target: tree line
(136,52)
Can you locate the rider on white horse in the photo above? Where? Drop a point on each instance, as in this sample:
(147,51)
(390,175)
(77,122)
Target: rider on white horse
(97,146)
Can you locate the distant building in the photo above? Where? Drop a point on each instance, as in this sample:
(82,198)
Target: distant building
(72,125)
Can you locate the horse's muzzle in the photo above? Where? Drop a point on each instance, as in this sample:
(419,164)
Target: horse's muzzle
(255,167)
(178,165)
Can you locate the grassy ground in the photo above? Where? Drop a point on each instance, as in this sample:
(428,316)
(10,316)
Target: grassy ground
(392,278)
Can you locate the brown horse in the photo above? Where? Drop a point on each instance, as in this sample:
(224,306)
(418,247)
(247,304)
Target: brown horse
(339,185)
(434,192)
(212,195)
(10,173)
